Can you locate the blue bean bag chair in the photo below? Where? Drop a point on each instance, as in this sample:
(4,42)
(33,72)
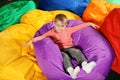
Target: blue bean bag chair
(76,6)
(93,45)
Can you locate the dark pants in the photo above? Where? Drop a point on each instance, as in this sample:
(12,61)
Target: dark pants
(73,53)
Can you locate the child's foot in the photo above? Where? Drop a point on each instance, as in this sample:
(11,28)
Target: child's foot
(88,67)
(84,63)
(73,72)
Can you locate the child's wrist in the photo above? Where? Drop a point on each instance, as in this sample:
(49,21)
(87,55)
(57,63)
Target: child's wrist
(32,40)
(90,23)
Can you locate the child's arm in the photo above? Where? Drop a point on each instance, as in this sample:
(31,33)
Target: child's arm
(78,27)
(33,40)
(47,34)
(39,38)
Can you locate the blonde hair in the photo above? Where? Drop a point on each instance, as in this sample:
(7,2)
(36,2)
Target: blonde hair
(60,17)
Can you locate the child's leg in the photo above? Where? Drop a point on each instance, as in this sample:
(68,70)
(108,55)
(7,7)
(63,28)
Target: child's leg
(78,55)
(66,61)
(68,66)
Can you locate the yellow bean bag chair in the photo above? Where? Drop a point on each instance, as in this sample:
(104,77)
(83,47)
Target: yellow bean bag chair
(18,62)
(97,10)
(37,18)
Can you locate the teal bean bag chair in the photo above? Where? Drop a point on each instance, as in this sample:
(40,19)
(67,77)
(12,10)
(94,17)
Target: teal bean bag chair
(113,1)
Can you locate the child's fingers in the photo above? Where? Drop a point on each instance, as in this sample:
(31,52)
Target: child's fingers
(23,45)
(95,26)
(26,44)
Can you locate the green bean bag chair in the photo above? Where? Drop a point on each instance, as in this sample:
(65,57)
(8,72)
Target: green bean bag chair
(10,14)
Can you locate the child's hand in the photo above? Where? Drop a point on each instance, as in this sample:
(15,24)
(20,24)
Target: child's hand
(28,43)
(94,25)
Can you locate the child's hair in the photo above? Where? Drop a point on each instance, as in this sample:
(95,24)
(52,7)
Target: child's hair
(60,17)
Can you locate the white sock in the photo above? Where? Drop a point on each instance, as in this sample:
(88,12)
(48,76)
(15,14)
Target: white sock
(70,70)
(88,67)
(73,72)
(84,63)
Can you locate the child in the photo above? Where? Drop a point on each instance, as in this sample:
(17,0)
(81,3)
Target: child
(61,35)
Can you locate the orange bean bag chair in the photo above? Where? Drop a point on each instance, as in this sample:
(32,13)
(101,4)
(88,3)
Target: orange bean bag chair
(97,10)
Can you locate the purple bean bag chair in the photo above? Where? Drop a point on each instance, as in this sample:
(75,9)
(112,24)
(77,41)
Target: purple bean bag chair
(94,46)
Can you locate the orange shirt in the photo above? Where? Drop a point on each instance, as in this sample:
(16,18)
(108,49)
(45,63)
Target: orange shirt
(63,38)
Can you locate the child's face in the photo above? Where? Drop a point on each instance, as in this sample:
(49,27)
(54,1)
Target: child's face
(60,25)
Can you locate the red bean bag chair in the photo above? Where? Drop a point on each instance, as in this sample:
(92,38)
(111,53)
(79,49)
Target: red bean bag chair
(111,29)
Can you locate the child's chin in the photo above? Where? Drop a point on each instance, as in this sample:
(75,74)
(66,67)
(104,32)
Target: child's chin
(58,31)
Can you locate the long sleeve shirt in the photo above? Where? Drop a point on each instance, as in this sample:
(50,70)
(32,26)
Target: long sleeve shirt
(63,38)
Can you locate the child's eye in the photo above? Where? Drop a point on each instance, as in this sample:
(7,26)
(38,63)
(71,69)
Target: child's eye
(58,25)
(62,25)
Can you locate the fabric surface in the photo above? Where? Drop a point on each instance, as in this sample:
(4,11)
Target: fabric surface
(111,29)
(77,6)
(10,14)
(97,10)
(16,61)
(94,46)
